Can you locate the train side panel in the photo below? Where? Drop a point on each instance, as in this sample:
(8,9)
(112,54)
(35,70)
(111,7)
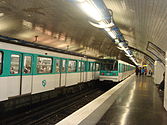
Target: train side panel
(26,84)
(72,79)
(4,88)
(42,83)
(17,84)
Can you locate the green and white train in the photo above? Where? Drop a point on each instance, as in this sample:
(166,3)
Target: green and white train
(115,70)
(26,70)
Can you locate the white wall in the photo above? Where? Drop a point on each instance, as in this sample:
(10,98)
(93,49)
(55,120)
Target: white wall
(159,69)
(165,90)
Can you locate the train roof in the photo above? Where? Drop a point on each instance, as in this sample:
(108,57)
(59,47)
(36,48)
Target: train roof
(120,61)
(40,46)
(108,59)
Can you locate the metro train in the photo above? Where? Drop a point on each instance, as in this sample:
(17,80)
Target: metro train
(31,69)
(26,70)
(115,70)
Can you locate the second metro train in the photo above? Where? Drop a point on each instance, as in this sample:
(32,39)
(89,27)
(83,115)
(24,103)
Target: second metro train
(115,70)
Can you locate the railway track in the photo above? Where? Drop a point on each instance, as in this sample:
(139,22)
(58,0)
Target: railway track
(54,111)
(57,115)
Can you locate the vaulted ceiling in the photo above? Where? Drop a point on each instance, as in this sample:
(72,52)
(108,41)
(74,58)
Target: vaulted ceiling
(61,24)
(141,21)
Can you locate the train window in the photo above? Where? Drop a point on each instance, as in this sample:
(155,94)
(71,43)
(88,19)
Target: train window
(27,64)
(123,68)
(82,66)
(90,66)
(58,63)
(0,62)
(44,65)
(79,66)
(97,67)
(15,64)
(94,66)
(119,67)
(63,65)
(110,65)
(72,66)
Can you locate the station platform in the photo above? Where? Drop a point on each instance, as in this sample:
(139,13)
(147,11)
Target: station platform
(139,104)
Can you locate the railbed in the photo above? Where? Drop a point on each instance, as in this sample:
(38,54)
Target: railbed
(93,111)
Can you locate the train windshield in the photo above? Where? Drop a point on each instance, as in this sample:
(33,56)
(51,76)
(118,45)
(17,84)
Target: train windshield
(111,65)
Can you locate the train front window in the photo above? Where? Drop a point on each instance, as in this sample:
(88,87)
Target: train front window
(44,65)
(27,64)
(15,63)
(110,66)
(0,62)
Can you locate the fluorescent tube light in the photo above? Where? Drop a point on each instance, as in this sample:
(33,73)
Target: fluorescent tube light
(112,34)
(90,9)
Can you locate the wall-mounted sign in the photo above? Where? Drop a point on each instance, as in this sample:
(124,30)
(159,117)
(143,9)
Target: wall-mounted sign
(156,52)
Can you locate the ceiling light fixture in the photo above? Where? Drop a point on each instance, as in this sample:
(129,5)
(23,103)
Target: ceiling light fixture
(112,34)
(102,18)
(1,14)
(102,25)
(90,9)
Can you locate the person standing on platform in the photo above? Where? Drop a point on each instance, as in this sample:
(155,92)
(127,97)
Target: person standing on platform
(145,71)
(137,71)
(140,71)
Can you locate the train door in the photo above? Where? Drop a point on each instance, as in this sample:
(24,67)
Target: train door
(93,70)
(120,72)
(58,72)
(26,74)
(84,71)
(63,72)
(97,71)
(14,74)
(80,70)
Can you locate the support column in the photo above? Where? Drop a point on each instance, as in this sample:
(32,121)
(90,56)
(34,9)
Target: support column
(159,69)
